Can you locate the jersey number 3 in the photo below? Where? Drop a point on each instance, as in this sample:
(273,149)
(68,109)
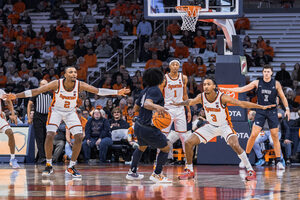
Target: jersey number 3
(213,117)
(67,104)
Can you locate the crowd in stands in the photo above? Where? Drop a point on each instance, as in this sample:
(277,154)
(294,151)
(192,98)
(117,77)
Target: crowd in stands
(28,56)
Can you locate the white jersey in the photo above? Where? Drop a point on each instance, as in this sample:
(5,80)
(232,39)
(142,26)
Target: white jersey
(173,90)
(1,93)
(216,113)
(65,100)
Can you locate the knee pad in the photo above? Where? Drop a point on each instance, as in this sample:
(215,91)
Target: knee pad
(173,137)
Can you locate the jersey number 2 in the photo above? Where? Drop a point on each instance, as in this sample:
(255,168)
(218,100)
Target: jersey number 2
(213,117)
(67,104)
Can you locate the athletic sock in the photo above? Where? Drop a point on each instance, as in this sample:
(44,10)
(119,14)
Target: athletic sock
(136,157)
(245,160)
(71,164)
(12,156)
(161,160)
(190,167)
(49,161)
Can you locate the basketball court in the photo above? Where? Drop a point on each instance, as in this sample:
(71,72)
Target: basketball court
(109,182)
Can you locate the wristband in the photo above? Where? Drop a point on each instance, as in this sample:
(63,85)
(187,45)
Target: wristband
(287,108)
(28,93)
(104,92)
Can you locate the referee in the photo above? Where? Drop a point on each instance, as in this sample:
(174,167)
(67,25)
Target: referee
(41,104)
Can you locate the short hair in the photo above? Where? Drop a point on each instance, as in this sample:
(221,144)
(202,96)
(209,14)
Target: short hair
(67,67)
(213,80)
(153,77)
(116,109)
(268,67)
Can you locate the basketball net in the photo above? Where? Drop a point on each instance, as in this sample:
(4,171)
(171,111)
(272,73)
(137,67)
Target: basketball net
(190,14)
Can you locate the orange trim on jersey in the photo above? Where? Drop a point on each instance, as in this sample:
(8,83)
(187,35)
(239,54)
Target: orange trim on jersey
(223,106)
(164,131)
(175,78)
(49,115)
(180,131)
(74,126)
(213,100)
(200,136)
(65,88)
(53,102)
(4,126)
(77,101)
(57,87)
(228,118)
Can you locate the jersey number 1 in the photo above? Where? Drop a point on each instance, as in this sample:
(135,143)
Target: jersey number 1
(67,104)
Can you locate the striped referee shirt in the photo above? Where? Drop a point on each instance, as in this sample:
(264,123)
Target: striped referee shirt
(42,102)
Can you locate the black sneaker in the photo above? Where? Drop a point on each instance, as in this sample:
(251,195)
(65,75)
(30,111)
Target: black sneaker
(48,170)
(72,171)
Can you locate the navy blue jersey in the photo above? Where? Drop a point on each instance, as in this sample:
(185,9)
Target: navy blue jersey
(266,92)
(153,93)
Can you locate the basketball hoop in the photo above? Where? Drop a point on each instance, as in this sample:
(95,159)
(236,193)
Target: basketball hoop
(189,15)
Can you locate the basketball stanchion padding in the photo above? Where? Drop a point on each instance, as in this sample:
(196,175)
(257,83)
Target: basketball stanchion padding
(161,121)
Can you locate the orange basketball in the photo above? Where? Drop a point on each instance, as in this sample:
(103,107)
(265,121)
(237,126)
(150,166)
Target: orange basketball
(161,121)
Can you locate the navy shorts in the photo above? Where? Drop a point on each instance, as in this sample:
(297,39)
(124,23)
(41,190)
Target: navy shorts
(149,136)
(270,115)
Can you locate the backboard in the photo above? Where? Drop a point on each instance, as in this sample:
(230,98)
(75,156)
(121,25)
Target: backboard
(220,9)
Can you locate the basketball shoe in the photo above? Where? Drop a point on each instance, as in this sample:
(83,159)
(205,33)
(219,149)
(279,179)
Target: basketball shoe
(48,170)
(251,175)
(14,163)
(280,165)
(72,171)
(188,174)
(159,178)
(134,176)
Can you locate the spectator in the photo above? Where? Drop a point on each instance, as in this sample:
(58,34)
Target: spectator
(58,12)
(117,122)
(87,105)
(187,39)
(144,31)
(261,43)
(108,108)
(70,42)
(283,76)
(80,49)
(97,134)
(163,51)
(102,8)
(247,42)
(83,6)
(14,17)
(90,58)
(89,18)
(33,79)
(117,26)
(76,15)
(10,64)
(213,32)
(107,83)
(181,51)
(155,39)
(260,59)
(24,70)
(59,41)
(71,58)
(170,39)
(82,69)
(3,79)
(51,34)
(200,67)
(174,28)
(295,72)
(200,41)
(132,27)
(25,18)
(118,85)
(51,75)
(116,42)
(145,54)
(19,7)
(241,24)
(189,67)
(100,101)
(211,70)
(79,27)
(269,51)
(192,87)
(59,142)
(69,137)
(104,50)
(209,55)
(154,62)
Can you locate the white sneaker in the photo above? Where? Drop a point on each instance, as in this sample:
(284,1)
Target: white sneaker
(134,176)
(280,166)
(241,165)
(159,178)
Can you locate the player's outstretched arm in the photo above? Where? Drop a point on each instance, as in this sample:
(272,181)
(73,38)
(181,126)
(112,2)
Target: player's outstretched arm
(103,91)
(244,104)
(53,85)
(245,88)
(284,100)
(189,102)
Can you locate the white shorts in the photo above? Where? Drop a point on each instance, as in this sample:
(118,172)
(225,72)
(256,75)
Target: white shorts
(208,132)
(4,125)
(70,118)
(178,117)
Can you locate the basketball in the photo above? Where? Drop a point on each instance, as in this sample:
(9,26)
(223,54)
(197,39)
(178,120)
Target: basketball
(161,121)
